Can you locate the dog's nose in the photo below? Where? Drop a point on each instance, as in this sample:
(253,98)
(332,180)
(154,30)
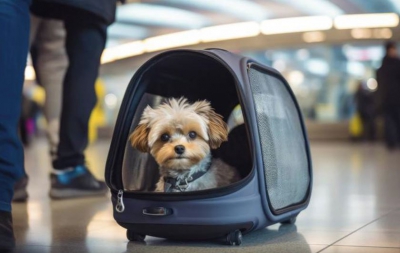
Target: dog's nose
(179,149)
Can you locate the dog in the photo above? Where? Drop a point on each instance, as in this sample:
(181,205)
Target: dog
(180,136)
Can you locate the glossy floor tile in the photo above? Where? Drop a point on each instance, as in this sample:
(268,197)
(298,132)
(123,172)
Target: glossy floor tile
(343,249)
(355,207)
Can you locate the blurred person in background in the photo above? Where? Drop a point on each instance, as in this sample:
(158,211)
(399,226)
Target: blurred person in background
(85,23)
(50,61)
(388,77)
(365,106)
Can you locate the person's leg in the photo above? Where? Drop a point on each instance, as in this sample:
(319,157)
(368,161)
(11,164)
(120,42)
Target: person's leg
(397,125)
(389,129)
(363,126)
(84,44)
(51,65)
(368,127)
(372,129)
(20,192)
(14,36)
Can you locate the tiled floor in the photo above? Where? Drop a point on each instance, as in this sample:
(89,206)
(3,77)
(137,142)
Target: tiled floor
(355,208)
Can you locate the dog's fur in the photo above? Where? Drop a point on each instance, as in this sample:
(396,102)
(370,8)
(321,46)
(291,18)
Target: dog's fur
(197,129)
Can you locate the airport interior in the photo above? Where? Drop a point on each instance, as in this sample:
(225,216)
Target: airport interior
(327,50)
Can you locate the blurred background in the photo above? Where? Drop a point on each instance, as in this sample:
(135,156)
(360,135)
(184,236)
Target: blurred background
(328,50)
(325,49)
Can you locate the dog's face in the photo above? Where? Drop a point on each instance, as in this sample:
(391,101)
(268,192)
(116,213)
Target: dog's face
(178,134)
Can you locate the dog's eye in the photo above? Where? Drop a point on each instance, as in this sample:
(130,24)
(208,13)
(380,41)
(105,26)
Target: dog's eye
(165,137)
(192,135)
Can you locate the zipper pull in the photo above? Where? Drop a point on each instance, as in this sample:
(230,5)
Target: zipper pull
(120,207)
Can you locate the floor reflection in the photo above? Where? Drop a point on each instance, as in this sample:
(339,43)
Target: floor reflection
(355,202)
(283,239)
(58,223)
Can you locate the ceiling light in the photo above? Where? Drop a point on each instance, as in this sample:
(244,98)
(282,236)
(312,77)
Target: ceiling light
(367,20)
(172,40)
(311,37)
(122,51)
(383,33)
(298,24)
(361,33)
(230,31)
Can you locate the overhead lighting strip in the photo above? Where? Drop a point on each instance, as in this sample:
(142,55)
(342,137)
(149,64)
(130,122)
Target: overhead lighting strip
(375,20)
(245,30)
(298,24)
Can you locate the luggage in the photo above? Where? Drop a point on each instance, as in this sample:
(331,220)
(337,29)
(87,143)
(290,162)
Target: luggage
(270,150)
(355,126)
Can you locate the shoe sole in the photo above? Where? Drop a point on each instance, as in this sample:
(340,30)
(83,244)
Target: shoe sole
(7,244)
(73,193)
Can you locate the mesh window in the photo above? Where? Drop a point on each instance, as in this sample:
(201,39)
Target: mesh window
(282,141)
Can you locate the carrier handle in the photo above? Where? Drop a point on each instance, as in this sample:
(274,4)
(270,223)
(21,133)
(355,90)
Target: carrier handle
(157,211)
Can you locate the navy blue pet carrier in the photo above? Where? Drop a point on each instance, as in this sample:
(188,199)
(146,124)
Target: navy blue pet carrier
(267,144)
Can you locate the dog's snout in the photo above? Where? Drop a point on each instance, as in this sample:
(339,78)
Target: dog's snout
(179,149)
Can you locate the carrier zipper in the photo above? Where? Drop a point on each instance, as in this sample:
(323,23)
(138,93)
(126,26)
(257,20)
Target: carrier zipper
(120,207)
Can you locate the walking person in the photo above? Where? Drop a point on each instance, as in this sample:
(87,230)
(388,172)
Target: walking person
(388,77)
(365,105)
(85,23)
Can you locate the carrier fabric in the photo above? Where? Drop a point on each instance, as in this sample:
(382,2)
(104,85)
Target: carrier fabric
(282,141)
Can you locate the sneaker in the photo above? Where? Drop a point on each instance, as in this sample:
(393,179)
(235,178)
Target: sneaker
(20,193)
(75,182)
(7,240)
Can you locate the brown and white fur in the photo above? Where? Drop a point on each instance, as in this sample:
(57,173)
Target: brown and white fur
(180,136)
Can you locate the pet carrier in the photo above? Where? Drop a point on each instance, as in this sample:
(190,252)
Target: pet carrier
(268,147)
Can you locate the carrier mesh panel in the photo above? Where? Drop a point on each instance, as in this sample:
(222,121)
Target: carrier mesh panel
(282,141)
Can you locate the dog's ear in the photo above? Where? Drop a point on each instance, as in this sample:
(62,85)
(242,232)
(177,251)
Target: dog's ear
(217,129)
(202,108)
(139,138)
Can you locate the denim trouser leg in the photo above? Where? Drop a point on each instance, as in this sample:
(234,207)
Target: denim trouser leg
(14,36)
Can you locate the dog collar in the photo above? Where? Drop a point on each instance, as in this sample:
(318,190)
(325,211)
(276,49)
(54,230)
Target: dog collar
(181,184)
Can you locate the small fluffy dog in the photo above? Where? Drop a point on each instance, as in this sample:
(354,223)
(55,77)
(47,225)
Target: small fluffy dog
(180,137)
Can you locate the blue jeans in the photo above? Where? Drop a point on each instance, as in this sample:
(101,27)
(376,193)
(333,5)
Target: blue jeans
(14,36)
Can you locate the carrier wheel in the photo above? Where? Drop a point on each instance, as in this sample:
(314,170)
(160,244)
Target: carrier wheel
(234,238)
(134,237)
(290,221)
